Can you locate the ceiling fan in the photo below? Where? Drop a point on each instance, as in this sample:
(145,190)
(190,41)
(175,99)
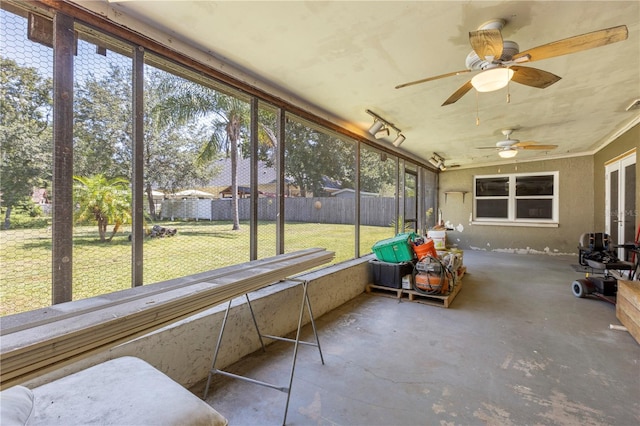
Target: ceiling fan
(498,60)
(508,147)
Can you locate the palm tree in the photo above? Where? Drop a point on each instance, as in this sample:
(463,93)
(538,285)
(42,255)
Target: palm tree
(228,117)
(103,200)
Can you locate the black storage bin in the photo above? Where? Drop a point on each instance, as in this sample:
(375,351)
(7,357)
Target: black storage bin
(389,274)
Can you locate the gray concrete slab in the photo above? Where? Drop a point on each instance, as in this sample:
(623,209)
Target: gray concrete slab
(515,347)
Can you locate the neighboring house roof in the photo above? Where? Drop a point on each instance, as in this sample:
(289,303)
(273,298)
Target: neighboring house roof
(347,191)
(243,190)
(330,185)
(194,193)
(266,175)
(223,178)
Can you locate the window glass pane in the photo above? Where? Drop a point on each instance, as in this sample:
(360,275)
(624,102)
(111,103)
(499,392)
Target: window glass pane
(534,209)
(492,209)
(630,212)
(410,200)
(534,185)
(430,198)
(491,187)
(26,131)
(614,177)
(377,196)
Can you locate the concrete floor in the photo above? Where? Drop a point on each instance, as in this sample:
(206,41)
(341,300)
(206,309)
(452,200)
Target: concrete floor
(515,348)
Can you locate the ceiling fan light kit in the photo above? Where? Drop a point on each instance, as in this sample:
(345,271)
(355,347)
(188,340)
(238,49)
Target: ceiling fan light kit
(496,60)
(507,153)
(492,79)
(509,147)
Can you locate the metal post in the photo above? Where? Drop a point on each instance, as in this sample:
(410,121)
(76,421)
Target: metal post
(295,349)
(62,225)
(215,355)
(137,231)
(313,326)
(255,322)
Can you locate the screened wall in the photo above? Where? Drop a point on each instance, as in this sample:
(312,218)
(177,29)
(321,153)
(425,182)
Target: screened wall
(123,167)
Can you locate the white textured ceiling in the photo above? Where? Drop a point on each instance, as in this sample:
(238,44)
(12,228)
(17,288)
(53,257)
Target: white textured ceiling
(343,57)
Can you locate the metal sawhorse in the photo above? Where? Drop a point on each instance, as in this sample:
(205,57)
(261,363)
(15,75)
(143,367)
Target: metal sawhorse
(296,341)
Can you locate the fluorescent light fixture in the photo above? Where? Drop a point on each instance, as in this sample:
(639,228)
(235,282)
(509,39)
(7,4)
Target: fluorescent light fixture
(492,79)
(433,162)
(399,139)
(507,153)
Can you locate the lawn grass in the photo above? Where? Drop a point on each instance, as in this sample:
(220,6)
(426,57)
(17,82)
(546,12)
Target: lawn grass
(98,268)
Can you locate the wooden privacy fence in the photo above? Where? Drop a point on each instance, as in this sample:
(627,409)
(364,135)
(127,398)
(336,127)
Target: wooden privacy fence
(374,211)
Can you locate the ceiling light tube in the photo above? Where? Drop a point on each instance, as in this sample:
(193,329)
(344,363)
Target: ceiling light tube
(492,79)
(399,139)
(433,162)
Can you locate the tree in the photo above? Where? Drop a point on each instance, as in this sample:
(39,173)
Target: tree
(314,157)
(103,124)
(377,172)
(104,201)
(103,134)
(228,117)
(25,133)
(171,152)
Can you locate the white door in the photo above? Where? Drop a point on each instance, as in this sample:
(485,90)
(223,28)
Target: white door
(620,200)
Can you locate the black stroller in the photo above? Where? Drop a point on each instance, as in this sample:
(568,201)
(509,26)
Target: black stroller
(598,259)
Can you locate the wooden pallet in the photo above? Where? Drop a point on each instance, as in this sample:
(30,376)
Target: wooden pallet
(414,296)
(395,293)
(434,299)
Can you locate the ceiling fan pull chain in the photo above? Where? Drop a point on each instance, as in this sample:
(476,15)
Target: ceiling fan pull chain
(477,112)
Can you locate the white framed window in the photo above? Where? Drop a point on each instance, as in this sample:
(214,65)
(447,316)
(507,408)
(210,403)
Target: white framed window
(519,199)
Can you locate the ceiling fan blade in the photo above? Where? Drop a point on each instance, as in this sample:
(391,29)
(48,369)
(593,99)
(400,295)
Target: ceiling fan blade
(533,145)
(487,44)
(524,143)
(458,93)
(540,147)
(533,77)
(486,147)
(576,43)
(424,80)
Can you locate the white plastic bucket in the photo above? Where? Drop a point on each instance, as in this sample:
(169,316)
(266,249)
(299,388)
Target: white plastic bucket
(439,239)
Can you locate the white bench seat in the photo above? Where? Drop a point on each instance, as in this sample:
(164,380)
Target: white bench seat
(123,391)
